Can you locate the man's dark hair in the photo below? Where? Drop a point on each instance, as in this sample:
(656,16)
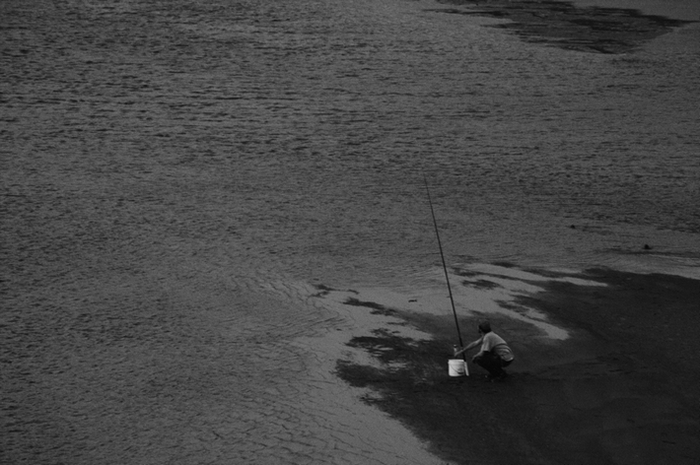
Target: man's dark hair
(485,327)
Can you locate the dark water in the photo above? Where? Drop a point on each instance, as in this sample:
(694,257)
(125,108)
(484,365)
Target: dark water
(175,173)
(674,9)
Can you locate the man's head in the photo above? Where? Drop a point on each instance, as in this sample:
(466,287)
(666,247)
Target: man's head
(485,327)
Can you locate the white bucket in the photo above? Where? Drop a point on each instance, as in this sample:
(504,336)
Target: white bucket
(457,367)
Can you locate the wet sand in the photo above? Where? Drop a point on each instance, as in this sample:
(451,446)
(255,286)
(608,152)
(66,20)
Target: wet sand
(617,386)
(568,26)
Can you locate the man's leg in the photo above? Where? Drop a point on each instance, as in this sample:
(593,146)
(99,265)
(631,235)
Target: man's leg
(491,363)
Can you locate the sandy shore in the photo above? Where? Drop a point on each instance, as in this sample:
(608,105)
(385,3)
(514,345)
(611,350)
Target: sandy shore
(605,369)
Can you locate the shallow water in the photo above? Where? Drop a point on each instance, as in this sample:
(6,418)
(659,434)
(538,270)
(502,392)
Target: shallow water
(176,174)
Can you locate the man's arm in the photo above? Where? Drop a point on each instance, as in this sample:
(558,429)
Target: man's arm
(469,346)
(486,343)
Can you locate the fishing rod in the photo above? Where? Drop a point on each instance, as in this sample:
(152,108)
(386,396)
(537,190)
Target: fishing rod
(444,266)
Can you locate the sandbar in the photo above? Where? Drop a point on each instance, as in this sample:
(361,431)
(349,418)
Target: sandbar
(617,384)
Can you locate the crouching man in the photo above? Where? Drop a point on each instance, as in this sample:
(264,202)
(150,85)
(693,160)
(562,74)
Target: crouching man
(494,354)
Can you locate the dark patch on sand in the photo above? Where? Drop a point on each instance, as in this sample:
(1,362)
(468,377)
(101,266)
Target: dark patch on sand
(564,25)
(325,290)
(377,309)
(622,389)
(387,346)
(481,284)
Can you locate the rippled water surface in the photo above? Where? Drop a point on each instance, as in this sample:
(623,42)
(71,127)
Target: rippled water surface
(169,168)
(301,129)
